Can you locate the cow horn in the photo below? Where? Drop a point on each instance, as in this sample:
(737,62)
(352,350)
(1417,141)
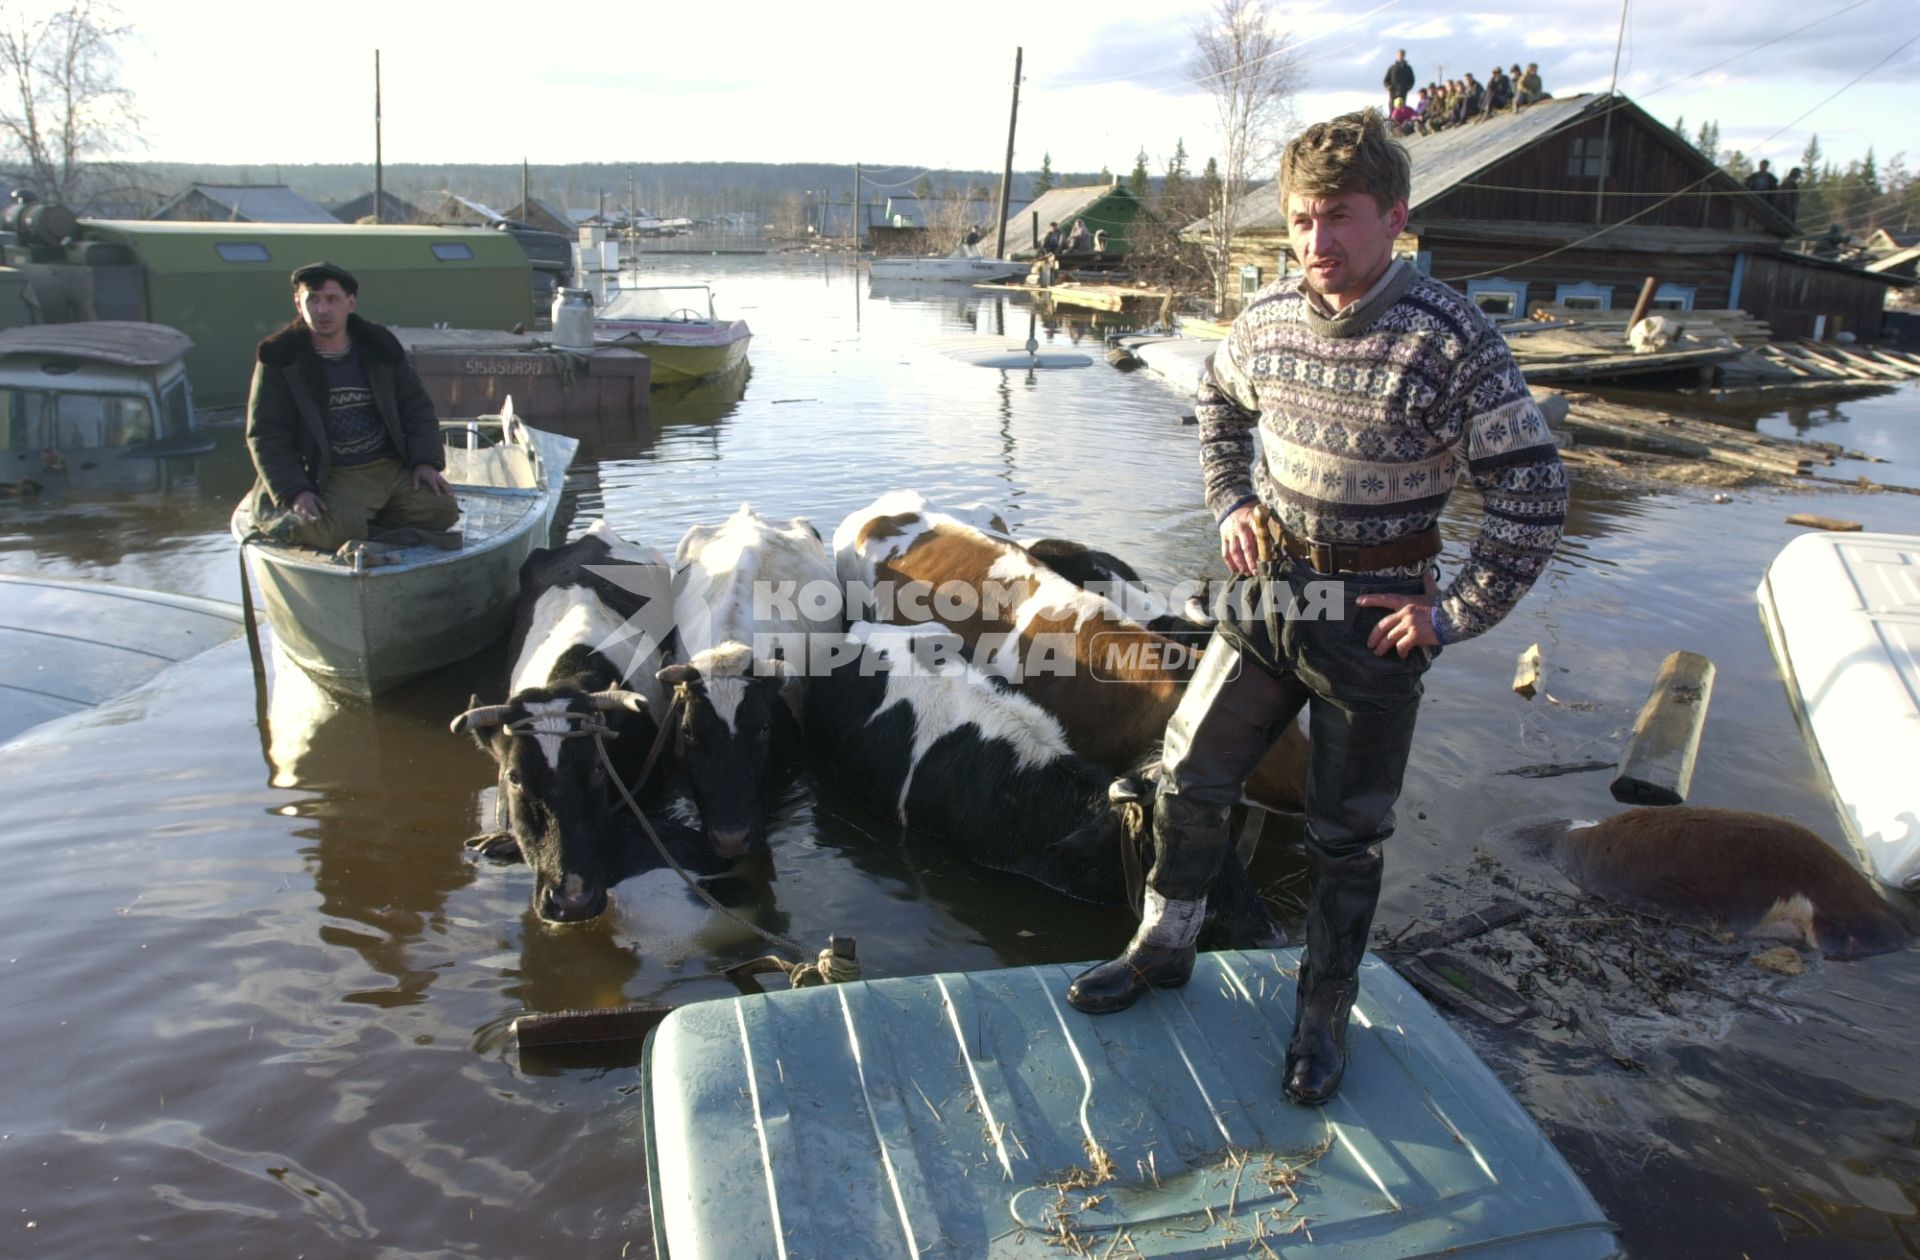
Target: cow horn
(482,716)
(1122,791)
(678,675)
(618,698)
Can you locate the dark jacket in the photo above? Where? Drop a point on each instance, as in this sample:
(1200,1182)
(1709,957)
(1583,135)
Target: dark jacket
(1399,78)
(286,408)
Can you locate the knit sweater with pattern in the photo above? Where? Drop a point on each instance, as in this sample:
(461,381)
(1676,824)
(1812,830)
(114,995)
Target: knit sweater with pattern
(1366,419)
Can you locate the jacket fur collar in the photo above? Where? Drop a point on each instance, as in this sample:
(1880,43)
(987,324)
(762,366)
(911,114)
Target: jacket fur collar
(285,345)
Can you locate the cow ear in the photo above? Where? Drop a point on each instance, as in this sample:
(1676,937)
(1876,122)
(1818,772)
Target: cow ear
(678,675)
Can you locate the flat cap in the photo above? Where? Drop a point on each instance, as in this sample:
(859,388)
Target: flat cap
(315,274)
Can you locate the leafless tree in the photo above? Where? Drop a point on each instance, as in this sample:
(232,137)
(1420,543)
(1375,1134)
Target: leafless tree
(63,109)
(1253,72)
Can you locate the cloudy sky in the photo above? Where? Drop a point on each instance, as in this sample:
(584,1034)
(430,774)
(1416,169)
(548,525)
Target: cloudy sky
(928,85)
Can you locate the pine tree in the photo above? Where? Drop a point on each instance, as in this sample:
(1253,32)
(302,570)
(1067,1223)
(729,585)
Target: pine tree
(1210,181)
(1680,128)
(1173,189)
(1709,140)
(1106,176)
(923,188)
(1139,180)
(1043,182)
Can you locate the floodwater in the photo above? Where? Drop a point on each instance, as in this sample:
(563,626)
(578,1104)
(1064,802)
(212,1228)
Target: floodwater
(255,995)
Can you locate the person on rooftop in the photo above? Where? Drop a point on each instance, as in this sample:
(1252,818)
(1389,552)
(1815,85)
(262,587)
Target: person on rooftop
(1763,180)
(1499,91)
(1530,86)
(1398,80)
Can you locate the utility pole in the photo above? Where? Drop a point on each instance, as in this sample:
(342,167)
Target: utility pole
(526,189)
(1006,174)
(853,219)
(379,168)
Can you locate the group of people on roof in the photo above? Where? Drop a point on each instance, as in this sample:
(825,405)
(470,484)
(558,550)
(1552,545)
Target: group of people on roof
(1457,101)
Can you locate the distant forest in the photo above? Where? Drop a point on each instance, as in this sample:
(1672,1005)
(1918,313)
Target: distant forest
(666,189)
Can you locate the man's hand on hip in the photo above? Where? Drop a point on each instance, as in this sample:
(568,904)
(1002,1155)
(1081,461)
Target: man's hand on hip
(308,506)
(1239,542)
(427,477)
(1408,626)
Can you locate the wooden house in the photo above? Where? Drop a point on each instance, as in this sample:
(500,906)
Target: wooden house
(1111,207)
(392,209)
(1574,202)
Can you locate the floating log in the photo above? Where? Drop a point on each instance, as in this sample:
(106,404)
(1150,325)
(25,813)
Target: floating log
(1457,983)
(1526,673)
(1657,767)
(586,1027)
(1463,927)
(1833,523)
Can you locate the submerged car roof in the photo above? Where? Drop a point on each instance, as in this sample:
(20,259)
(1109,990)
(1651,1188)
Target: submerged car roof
(127,343)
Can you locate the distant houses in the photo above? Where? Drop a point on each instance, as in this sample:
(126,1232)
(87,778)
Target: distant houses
(242,203)
(1574,202)
(392,209)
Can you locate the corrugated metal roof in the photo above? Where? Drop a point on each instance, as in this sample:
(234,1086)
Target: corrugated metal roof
(1057,205)
(126,342)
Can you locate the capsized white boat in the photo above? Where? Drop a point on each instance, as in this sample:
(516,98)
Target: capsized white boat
(675,326)
(962,265)
(362,629)
(1843,615)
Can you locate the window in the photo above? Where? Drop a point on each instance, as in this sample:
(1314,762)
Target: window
(177,403)
(452,251)
(24,414)
(1673,297)
(1589,157)
(1249,280)
(102,422)
(1585,296)
(1502,299)
(242,251)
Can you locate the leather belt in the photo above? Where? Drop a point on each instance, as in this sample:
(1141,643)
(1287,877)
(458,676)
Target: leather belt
(1353,558)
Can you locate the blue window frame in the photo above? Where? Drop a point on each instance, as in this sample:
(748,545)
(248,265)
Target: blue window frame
(1502,299)
(1585,296)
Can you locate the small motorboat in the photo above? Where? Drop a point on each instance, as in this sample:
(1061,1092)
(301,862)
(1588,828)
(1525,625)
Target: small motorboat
(361,628)
(978,1114)
(1843,618)
(676,327)
(964,264)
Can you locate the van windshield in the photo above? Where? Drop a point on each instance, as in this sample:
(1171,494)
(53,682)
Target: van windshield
(101,421)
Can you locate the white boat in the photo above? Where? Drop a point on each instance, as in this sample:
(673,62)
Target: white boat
(364,629)
(675,326)
(1843,615)
(961,265)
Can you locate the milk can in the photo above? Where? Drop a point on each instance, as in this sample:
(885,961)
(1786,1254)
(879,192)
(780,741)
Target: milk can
(573,320)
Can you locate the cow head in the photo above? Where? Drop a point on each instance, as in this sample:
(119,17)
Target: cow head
(731,704)
(558,794)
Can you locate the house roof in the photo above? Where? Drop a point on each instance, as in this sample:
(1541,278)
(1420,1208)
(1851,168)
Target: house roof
(458,209)
(257,203)
(1058,205)
(1446,159)
(392,209)
(924,211)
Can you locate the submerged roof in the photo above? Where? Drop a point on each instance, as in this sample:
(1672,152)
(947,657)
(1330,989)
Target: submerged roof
(256,203)
(125,342)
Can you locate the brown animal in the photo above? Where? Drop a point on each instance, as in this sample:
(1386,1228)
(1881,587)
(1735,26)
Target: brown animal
(1726,869)
(1111,682)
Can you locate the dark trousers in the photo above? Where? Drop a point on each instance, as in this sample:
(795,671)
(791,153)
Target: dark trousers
(1360,712)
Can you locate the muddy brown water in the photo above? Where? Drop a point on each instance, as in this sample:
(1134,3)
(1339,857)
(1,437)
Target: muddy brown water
(254,996)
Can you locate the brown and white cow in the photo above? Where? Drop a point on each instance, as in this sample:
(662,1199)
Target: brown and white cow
(1110,681)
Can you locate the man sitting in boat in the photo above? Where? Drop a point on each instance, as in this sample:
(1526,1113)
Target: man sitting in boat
(342,432)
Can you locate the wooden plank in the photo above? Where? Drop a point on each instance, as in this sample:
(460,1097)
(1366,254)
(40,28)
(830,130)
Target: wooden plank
(1657,766)
(1831,523)
(1818,364)
(1862,361)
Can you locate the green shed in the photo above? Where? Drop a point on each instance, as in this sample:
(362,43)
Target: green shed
(226,284)
(1111,207)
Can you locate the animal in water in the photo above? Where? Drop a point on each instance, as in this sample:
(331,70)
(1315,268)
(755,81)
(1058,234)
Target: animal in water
(925,738)
(1726,869)
(1111,682)
(746,590)
(1112,578)
(576,671)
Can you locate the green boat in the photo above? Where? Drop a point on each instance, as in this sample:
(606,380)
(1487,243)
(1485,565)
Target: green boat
(978,1115)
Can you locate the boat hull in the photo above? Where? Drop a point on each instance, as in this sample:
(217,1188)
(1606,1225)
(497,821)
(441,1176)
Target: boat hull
(365,632)
(680,353)
(1844,623)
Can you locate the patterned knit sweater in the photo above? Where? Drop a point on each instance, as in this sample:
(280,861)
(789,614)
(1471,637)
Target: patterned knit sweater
(1366,419)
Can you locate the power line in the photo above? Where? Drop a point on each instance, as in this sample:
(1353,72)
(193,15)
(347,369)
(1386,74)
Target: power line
(1574,244)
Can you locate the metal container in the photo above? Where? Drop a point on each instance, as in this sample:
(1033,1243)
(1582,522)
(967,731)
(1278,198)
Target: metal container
(573,320)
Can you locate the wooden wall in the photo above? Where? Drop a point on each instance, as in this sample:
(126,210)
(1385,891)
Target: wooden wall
(1646,161)
(1709,275)
(1791,296)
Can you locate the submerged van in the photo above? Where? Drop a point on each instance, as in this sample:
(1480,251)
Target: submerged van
(95,404)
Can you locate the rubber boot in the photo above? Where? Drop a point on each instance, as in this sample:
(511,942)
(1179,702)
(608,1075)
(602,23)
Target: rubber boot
(1160,956)
(1341,895)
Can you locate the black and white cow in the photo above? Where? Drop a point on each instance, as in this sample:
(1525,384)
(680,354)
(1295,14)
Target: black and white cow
(744,590)
(1113,579)
(578,667)
(924,737)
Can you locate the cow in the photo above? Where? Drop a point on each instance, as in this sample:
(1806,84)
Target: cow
(1107,575)
(1111,682)
(578,669)
(745,591)
(923,737)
